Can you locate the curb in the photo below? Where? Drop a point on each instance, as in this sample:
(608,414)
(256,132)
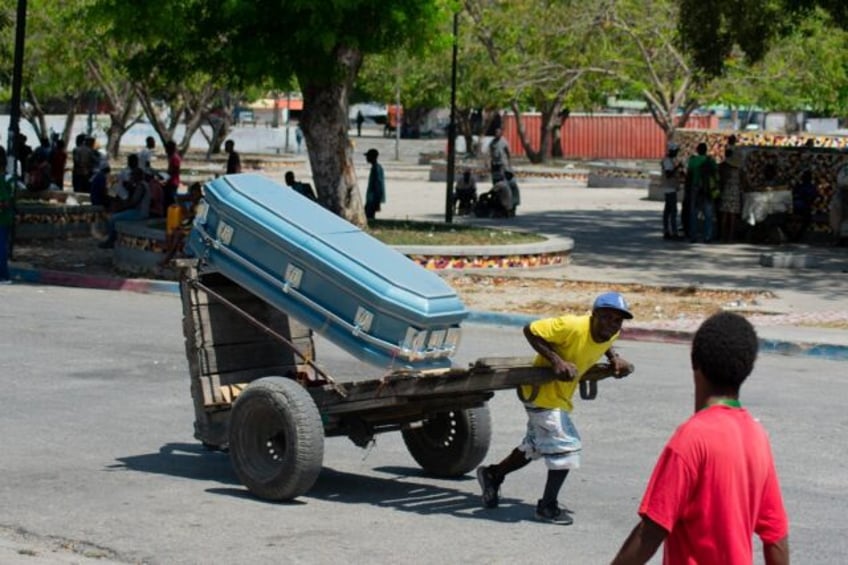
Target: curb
(680,337)
(62,278)
(481,317)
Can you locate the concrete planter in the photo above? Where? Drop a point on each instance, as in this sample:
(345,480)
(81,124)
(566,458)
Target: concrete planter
(41,219)
(602,175)
(140,246)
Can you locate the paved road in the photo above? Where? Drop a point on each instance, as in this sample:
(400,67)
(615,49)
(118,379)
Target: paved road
(98,455)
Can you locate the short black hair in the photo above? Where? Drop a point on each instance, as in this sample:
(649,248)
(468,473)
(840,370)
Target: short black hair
(701,149)
(724,349)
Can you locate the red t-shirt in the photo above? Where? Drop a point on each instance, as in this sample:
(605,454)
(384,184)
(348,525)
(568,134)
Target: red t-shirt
(713,487)
(174,164)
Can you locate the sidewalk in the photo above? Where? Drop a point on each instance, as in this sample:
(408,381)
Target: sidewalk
(617,239)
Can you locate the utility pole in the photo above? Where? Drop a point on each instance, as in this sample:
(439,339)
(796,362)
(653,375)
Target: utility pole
(397,118)
(452,129)
(15,114)
(288,116)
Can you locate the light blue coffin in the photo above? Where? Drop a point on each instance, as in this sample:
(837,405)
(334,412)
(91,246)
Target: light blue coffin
(361,294)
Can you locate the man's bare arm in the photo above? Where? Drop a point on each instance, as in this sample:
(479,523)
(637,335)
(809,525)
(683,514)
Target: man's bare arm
(777,553)
(566,370)
(641,544)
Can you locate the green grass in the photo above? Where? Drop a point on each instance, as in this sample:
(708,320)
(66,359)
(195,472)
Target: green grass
(406,232)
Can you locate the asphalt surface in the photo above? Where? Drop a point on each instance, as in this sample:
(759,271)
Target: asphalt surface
(99,464)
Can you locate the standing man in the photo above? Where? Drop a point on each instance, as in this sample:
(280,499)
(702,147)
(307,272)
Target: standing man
(715,483)
(234,159)
(359,119)
(174,166)
(58,160)
(499,158)
(298,137)
(701,170)
(376,192)
(670,180)
(81,159)
(570,345)
(145,156)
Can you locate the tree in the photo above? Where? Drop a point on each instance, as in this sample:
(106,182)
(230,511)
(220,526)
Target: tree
(537,65)
(46,77)
(644,53)
(425,77)
(321,44)
(710,30)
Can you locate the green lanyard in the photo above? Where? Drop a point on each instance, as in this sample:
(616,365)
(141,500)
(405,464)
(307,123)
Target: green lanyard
(732,402)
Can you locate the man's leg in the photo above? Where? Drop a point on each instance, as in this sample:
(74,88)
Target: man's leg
(673,199)
(667,216)
(491,477)
(693,220)
(709,211)
(556,478)
(561,448)
(685,214)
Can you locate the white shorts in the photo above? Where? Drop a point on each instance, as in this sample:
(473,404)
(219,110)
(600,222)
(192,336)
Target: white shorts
(552,435)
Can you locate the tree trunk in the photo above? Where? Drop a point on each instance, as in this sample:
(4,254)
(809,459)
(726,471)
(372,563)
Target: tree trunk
(70,116)
(324,122)
(35,117)
(176,110)
(464,128)
(549,111)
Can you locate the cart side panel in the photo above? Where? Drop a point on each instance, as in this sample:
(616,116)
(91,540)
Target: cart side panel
(223,348)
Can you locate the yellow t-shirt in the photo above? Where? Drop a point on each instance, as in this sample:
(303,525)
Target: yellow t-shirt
(571,338)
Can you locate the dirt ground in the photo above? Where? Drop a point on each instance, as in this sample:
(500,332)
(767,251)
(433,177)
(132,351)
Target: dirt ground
(529,295)
(548,297)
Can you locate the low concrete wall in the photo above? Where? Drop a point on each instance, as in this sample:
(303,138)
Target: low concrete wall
(439,172)
(140,246)
(40,219)
(603,175)
(555,252)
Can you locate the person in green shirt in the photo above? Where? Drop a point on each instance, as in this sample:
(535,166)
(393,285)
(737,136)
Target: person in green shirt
(699,197)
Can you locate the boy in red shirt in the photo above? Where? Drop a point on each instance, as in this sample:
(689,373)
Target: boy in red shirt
(715,483)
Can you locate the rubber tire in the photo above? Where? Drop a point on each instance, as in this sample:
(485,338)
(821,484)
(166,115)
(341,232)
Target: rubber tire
(276,439)
(451,444)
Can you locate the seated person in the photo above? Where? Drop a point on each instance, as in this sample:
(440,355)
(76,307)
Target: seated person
(303,188)
(503,205)
(157,193)
(465,193)
(497,202)
(38,176)
(135,207)
(175,241)
(513,188)
(100,187)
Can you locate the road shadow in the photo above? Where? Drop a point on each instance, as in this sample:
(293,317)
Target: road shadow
(405,489)
(185,460)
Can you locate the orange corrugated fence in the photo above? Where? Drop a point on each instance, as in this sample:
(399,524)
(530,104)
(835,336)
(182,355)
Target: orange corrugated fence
(602,136)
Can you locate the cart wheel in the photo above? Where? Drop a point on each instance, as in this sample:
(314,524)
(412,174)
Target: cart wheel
(276,439)
(450,444)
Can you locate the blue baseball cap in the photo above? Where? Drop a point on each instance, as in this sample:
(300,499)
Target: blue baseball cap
(613,301)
